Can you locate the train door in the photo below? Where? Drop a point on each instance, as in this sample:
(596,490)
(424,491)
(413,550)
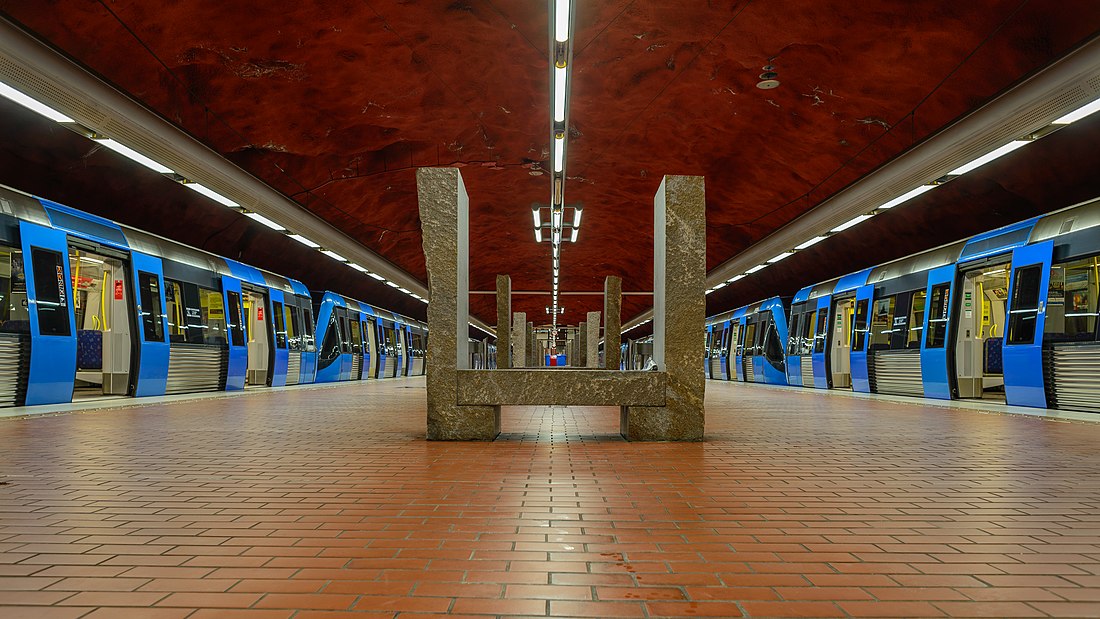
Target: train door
(748,351)
(861,328)
(979,330)
(840,343)
(820,352)
(402,349)
(15,346)
(103,295)
(52,324)
(709,352)
(371,330)
(728,350)
(292,322)
(237,365)
(279,354)
(794,349)
(344,329)
(739,349)
(936,364)
(807,329)
(256,321)
(355,329)
(1029,289)
(150,368)
(309,343)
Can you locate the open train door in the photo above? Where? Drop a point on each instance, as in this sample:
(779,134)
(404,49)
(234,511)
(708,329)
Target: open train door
(935,354)
(52,368)
(1026,311)
(861,331)
(151,375)
(821,341)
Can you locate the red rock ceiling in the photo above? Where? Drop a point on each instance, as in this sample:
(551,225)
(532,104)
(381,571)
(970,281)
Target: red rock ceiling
(336,103)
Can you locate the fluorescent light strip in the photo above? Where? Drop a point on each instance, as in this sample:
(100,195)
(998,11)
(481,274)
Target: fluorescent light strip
(210,193)
(392,285)
(377,276)
(265,221)
(1078,114)
(404,290)
(559,94)
(984,159)
(909,195)
(561,20)
(33,105)
(851,222)
(538,235)
(133,155)
(786,254)
(357,267)
(573,236)
(735,278)
(577,217)
(811,242)
(555,217)
(559,154)
(334,255)
(304,241)
(537,216)
(756,268)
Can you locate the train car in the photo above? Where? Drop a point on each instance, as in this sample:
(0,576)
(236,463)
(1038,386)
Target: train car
(721,331)
(762,340)
(364,342)
(418,348)
(93,309)
(638,353)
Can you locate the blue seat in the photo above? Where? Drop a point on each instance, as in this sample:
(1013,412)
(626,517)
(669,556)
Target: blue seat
(992,356)
(89,350)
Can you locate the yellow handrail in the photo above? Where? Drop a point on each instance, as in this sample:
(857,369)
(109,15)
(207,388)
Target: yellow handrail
(103,300)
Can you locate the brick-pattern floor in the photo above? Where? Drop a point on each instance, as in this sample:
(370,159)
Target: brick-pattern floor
(329,503)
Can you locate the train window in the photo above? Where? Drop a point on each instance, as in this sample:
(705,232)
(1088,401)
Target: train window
(177,314)
(307,321)
(1025,304)
(13,292)
(750,340)
(330,344)
(278,321)
(149,294)
(794,335)
(50,291)
(356,340)
(212,328)
(939,310)
(916,319)
(773,348)
(822,332)
(292,318)
(809,320)
(882,322)
(236,318)
(859,329)
(344,338)
(1072,301)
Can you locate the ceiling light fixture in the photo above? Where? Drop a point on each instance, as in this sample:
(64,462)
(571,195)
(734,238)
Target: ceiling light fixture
(334,255)
(377,276)
(986,158)
(33,105)
(357,267)
(391,284)
(811,242)
(133,155)
(786,254)
(304,241)
(210,193)
(905,197)
(265,221)
(1079,113)
(851,222)
(756,268)
(559,153)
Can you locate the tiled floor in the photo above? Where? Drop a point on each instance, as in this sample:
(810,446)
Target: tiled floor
(329,503)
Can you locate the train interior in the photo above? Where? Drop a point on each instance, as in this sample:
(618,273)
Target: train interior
(390,345)
(983,293)
(102,303)
(840,343)
(14,324)
(807,327)
(355,330)
(256,334)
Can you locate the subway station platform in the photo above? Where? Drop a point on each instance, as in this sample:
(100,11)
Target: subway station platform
(328,502)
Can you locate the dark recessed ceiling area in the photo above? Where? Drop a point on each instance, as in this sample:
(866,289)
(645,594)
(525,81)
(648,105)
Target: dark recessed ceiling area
(336,103)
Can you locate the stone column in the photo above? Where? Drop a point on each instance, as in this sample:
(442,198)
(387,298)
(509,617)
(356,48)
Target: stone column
(613,321)
(532,362)
(580,352)
(504,320)
(519,340)
(679,313)
(592,340)
(444,216)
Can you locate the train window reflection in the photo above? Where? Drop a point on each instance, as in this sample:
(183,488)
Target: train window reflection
(916,319)
(859,331)
(51,292)
(1025,304)
(882,322)
(13,292)
(822,330)
(939,309)
(1072,300)
(151,323)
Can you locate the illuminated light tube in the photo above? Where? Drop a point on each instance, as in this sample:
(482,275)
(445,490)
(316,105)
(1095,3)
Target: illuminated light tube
(786,254)
(984,159)
(391,284)
(556,218)
(559,94)
(404,290)
(561,20)
(377,276)
(709,290)
(304,241)
(210,193)
(851,222)
(719,285)
(573,236)
(735,278)
(559,154)
(756,268)
(909,195)
(577,217)
(538,235)
(811,242)
(133,155)
(357,267)
(423,300)
(33,105)
(334,255)
(1078,114)
(557,237)
(537,216)
(265,221)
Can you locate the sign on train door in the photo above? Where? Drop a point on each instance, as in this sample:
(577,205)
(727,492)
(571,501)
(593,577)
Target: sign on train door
(52,322)
(935,355)
(1026,312)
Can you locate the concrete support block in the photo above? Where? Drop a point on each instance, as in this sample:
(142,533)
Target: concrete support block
(519,340)
(612,321)
(591,335)
(679,313)
(444,213)
(504,320)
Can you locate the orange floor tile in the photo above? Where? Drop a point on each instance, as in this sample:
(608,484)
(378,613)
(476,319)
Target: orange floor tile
(328,503)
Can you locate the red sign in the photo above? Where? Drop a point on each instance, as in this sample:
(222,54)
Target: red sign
(260,313)
(118,290)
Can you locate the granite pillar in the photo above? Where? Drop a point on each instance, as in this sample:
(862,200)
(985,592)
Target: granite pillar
(532,360)
(504,320)
(592,340)
(580,353)
(679,314)
(613,321)
(444,216)
(519,340)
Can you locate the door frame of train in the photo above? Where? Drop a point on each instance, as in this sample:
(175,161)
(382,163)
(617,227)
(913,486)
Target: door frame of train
(51,374)
(857,360)
(237,363)
(708,349)
(736,346)
(149,366)
(820,359)
(937,369)
(1023,363)
(724,356)
(278,358)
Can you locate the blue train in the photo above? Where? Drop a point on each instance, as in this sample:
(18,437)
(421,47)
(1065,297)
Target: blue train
(1009,315)
(90,309)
